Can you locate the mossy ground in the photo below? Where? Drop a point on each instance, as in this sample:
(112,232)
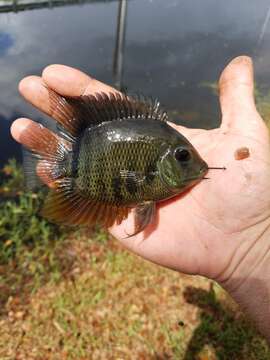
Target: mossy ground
(79,295)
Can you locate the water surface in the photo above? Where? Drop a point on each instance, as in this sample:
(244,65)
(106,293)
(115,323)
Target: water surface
(174,50)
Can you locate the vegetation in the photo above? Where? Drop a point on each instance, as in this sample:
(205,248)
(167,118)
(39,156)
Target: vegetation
(69,294)
(262,97)
(22,230)
(263,103)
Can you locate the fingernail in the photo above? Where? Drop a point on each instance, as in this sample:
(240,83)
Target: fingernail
(242,60)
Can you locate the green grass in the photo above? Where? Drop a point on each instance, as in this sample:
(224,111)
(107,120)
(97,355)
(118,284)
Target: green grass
(78,295)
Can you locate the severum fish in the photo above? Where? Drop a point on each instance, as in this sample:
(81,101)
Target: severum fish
(112,153)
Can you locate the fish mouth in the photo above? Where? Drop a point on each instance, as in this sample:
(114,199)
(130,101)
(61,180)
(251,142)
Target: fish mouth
(193,178)
(199,176)
(203,170)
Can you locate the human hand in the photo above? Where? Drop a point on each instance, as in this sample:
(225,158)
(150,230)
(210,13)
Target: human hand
(219,228)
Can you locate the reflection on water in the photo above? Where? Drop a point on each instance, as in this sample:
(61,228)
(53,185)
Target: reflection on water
(171,49)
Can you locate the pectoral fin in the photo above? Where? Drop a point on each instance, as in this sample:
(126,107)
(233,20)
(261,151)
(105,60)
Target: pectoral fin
(144,215)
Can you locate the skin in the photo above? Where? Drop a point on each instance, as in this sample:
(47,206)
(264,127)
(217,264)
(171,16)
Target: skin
(219,229)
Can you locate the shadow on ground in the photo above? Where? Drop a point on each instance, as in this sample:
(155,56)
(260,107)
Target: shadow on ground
(225,331)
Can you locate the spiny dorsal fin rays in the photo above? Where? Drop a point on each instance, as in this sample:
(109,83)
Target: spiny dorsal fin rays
(150,108)
(75,114)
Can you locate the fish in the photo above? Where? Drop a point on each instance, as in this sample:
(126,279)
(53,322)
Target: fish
(111,154)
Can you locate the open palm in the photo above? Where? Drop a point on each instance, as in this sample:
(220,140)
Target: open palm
(209,229)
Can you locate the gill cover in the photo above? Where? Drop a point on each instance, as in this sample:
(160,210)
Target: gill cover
(170,171)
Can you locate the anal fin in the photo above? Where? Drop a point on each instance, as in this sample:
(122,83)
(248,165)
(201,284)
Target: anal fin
(69,208)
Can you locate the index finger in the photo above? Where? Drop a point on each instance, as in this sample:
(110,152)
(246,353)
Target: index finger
(64,80)
(68,81)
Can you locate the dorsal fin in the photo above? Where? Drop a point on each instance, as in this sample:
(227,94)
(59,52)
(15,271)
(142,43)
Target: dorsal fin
(76,113)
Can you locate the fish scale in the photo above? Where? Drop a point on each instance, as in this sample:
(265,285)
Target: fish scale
(132,156)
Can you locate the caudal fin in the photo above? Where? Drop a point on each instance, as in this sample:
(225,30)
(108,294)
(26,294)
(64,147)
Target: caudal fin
(45,156)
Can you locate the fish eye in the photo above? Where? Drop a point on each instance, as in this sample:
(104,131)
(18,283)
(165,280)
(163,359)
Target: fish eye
(182,155)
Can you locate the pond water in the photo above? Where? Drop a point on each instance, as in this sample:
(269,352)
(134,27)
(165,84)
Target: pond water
(174,50)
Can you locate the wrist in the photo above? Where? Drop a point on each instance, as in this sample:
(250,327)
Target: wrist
(249,281)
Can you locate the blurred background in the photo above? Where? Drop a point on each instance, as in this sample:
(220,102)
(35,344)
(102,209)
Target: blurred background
(173,50)
(77,295)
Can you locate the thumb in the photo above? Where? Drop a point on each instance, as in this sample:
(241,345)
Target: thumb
(238,108)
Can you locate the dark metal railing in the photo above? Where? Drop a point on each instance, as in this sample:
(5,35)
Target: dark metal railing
(21,5)
(118,58)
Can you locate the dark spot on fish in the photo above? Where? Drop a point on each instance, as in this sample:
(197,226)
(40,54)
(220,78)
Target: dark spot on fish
(131,184)
(150,177)
(75,158)
(150,173)
(116,185)
(72,185)
(241,153)
(102,187)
